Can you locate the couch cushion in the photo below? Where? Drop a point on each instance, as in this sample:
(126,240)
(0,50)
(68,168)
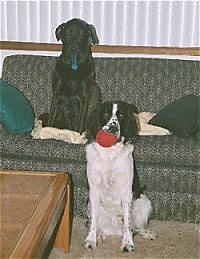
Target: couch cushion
(181,117)
(167,149)
(149,83)
(154,149)
(16,113)
(15,144)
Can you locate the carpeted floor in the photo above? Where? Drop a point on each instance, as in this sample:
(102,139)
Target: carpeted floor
(175,240)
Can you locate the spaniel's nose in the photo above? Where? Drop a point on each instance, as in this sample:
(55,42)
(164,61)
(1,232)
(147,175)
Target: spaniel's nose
(113,128)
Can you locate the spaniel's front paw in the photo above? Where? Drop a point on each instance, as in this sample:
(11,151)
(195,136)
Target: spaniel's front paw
(90,242)
(100,237)
(127,244)
(127,247)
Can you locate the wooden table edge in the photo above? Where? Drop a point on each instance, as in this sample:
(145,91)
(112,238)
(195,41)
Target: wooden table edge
(63,236)
(45,207)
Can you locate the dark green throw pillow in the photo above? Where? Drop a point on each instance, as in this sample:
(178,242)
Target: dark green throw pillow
(181,117)
(16,113)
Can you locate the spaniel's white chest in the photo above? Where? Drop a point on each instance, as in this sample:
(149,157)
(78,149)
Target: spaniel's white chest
(110,176)
(109,169)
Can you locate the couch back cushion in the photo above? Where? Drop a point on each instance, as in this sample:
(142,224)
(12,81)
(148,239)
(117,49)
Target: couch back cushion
(149,83)
(16,113)
(32,75)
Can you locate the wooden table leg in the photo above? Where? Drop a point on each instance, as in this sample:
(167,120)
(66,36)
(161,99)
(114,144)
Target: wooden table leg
(63,236)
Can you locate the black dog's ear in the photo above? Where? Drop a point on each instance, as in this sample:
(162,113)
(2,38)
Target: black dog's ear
(59,31)
(93,34)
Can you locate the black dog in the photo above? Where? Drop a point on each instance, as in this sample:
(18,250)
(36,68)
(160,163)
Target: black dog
(75,92)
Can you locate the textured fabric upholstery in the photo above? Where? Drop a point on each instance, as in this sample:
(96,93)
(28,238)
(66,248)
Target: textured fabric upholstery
(167,165)
(156,149)
(168,149)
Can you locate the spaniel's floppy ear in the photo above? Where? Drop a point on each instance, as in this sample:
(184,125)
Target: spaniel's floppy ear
(93,124)
(131,125)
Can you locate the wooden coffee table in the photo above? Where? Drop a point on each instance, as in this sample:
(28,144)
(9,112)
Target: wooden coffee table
(33,206)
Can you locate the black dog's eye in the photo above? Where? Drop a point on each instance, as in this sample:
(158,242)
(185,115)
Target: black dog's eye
(67,33)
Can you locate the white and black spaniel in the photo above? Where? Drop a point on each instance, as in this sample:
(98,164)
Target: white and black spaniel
(117,203)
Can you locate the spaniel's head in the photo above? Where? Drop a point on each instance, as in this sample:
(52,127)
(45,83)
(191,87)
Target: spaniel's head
(118,118)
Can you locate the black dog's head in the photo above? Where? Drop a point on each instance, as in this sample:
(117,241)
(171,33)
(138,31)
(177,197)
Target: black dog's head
(118,118)
(77,37)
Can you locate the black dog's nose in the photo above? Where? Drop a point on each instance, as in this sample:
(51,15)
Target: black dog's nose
(73,50)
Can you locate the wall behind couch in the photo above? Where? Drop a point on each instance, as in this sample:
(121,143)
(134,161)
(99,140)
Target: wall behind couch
(140,23)
(135,23)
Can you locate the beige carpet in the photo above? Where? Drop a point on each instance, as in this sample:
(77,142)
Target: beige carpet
(175,240)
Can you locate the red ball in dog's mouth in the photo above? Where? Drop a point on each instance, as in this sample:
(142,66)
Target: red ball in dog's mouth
(105,139)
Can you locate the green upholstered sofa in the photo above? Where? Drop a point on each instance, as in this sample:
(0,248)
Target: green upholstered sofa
(168,165)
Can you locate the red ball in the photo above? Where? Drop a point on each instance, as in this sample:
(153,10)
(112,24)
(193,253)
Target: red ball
(105,139)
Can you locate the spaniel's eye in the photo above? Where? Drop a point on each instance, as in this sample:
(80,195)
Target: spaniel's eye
(120,115)
(106,115)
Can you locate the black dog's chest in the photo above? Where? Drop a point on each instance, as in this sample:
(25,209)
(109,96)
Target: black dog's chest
(74,82)
(73,88)
(66,73)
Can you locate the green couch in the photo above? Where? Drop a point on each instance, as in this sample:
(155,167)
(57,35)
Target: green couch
(168,165)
